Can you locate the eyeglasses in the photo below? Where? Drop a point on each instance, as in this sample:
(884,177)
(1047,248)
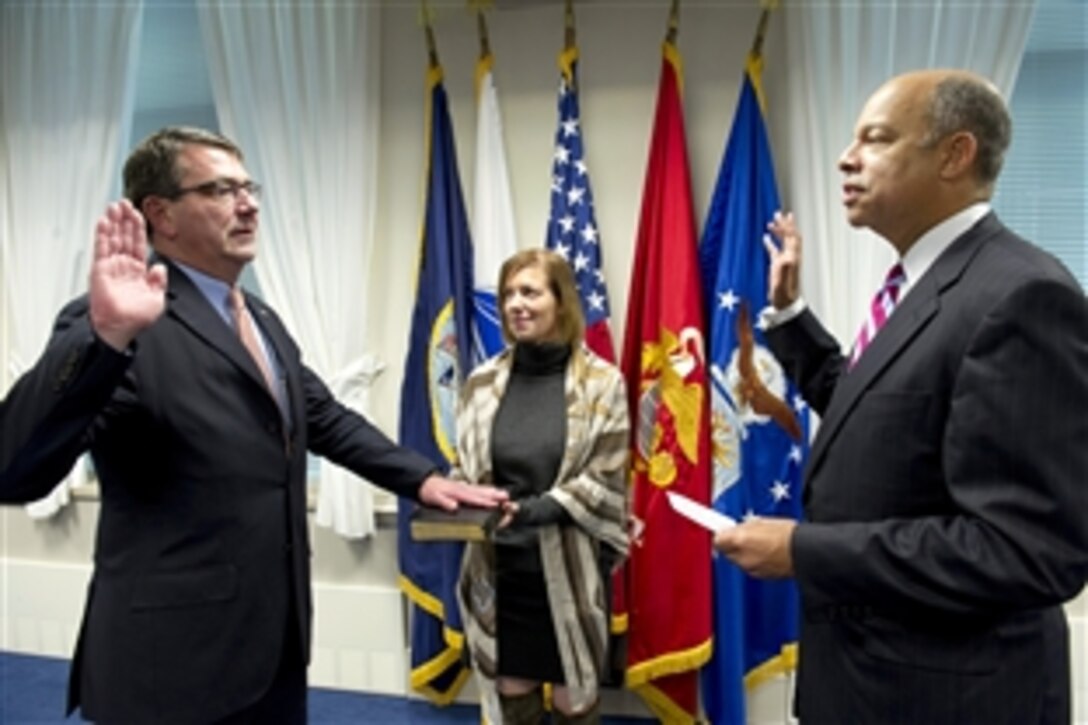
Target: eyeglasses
(220,189)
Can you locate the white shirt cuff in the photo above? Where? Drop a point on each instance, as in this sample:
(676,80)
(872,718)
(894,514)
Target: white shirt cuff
(769,317)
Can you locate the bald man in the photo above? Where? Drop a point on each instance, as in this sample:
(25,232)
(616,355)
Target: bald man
(946,495)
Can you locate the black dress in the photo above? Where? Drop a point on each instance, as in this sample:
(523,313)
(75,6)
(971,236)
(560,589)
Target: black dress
(528,440)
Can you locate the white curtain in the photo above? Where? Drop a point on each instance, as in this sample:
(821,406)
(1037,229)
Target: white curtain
(67,87)
(296,85)
(838,54)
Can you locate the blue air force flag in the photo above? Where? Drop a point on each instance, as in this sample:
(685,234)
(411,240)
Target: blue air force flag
(759,422)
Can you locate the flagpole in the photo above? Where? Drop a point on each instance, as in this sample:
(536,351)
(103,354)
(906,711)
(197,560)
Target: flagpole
(483,63)
(754,64)
(761,28)
(478,7)
(674,23)
(569,40)
(426,18)
(481,26)
(670,51)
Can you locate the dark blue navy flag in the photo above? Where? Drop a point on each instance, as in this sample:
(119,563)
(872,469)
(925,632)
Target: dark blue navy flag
(439,354)
(760,423)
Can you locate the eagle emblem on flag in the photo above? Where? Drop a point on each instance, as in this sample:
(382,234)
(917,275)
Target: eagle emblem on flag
(670,404)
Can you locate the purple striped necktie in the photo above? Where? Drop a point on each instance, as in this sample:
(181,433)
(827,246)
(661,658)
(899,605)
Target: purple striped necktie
(879,311)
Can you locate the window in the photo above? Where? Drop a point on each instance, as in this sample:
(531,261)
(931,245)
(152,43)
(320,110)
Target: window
(1042,192)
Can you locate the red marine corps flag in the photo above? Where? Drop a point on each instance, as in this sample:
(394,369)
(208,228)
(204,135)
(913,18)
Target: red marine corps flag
(664,360)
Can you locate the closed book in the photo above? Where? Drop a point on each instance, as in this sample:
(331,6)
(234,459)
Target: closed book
(467,523)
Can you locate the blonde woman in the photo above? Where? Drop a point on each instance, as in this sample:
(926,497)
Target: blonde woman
(546,420)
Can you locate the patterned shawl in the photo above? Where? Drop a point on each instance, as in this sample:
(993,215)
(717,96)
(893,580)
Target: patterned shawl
(591,485)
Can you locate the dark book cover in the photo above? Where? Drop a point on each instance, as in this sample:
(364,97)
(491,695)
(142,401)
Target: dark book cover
(465,524)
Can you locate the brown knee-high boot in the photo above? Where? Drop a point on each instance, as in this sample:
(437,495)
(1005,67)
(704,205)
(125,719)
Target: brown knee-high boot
(526,709)
(592,716)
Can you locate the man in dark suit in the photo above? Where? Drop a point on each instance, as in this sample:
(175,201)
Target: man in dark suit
(199,608)
(946,495)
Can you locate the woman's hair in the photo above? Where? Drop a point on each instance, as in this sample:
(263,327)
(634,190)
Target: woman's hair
(568,314)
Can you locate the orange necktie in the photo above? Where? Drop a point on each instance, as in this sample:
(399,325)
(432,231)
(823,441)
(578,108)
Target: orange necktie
(247,333)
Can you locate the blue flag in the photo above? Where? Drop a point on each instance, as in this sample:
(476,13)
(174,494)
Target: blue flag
(439,355)
(760,428)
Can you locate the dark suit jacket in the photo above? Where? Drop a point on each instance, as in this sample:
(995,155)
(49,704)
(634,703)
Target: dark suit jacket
(52,402)
(202,548)
(946,496)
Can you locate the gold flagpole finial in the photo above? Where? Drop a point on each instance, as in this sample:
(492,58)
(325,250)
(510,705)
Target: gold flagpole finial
(569,40)
(426,19)
(674,23)
(761,29)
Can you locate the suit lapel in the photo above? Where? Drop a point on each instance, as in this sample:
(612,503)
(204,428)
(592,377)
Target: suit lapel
(902,328)
(188,305)
(905,323)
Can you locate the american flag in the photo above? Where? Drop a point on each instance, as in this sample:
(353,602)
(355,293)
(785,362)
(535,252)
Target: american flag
(572,226)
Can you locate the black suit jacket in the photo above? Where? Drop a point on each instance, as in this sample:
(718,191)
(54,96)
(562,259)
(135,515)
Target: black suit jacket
(202,549)
(946,496)
(51,403)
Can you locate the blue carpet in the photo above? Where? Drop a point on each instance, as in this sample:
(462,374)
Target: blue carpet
(33,691)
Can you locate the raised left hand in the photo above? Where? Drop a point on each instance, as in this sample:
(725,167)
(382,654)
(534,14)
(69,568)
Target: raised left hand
(784,271)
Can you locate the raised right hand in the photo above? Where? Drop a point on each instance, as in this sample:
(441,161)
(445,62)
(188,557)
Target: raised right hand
(126,296)
(784,275)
